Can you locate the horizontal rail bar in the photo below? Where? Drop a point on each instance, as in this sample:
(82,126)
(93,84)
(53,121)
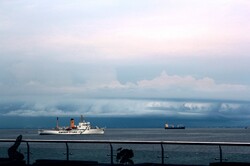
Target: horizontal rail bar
(131,142)
(111,142)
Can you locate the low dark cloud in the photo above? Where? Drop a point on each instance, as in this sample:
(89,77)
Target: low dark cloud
(129,108)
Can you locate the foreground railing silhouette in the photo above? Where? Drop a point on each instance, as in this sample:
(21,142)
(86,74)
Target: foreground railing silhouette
(112,142)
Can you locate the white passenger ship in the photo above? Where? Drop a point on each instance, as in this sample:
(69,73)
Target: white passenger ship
(82,128)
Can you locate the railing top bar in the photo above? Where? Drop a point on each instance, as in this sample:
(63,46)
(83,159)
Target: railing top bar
(131,142)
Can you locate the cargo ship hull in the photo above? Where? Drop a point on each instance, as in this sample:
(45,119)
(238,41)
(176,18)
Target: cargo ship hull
(183,127)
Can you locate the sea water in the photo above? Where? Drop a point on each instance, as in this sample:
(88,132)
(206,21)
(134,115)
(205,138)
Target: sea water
(174,154)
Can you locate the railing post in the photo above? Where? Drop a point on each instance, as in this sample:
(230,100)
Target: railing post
(220,153)
(111,154)
(162,154)
(67,151)
(28,153)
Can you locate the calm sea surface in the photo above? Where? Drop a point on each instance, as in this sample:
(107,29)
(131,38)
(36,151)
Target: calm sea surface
(175,154)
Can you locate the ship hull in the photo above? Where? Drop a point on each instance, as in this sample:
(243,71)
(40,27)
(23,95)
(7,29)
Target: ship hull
(174,127)
(71,132)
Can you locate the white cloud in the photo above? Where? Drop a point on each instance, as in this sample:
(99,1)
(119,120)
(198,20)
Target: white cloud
(205,86)
(105,84)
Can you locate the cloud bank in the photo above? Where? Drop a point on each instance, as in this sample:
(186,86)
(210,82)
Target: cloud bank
(169,108)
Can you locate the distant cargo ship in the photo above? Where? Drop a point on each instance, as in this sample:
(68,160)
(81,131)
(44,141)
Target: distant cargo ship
(167,126)
(82,128)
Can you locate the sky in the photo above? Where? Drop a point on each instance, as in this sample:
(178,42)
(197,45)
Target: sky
(119,57)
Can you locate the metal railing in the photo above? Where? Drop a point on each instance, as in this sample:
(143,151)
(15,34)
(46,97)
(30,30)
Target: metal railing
(112,142)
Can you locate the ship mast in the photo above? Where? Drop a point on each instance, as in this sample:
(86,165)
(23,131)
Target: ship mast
(57,123)
(81,120)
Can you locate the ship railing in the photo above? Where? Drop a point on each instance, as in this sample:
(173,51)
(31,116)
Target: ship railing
(113,142)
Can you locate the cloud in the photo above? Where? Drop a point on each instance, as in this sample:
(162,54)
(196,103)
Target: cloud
(72,50)
(169,108)
(84,31)
(103,83)
(190,85)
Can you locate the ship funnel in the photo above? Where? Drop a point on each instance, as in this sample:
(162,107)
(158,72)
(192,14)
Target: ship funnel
(72,123)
